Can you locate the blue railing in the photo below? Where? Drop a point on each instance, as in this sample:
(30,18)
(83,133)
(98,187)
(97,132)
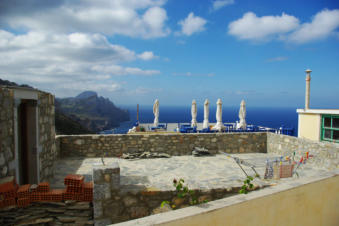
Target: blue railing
(230,128)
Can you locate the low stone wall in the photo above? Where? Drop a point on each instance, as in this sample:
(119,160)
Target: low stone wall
(326,155)
(54,213)
(7,162)
(173,144)
(312,202)
(114,203)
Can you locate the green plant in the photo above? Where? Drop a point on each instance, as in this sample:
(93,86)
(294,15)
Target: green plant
(142,129)
(163,203)
(183,192)
(247,186)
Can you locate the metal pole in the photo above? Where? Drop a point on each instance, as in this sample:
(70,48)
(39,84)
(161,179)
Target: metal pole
(307,92)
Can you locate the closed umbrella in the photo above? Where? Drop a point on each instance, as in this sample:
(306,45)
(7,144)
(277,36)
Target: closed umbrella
(206,114)
(219,126)
(194,114)
(156,113)
(242,115)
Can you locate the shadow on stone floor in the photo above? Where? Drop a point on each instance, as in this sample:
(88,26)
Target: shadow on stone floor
(133,180)
(63,167)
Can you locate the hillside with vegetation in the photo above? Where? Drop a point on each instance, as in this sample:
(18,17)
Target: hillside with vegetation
(94,112)
(84,114)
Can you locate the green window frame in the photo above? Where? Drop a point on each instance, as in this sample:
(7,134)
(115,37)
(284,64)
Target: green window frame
(330,128)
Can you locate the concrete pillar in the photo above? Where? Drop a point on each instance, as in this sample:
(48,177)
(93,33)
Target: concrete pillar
(307,92)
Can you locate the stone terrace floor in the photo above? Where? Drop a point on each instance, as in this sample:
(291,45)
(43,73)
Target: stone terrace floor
(198,172)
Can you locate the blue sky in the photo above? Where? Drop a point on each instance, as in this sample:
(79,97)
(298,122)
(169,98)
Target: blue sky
(136,51)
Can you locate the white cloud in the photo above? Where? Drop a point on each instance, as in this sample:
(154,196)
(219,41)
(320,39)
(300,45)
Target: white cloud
(135,18)
(192,24)
(218,4)
(251,27)
(147,55)
(190,74)
(323,24)
(119,70)
(57,61)
(244,92)
(143,91)
(277,59)
(90,85)
(285,27)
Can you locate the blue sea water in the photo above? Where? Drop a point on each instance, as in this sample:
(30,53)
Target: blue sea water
(260,116)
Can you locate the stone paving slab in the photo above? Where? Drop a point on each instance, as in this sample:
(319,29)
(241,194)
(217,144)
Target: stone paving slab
(198,172)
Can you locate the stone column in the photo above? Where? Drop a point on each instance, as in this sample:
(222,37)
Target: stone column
(307,94)
(106,181)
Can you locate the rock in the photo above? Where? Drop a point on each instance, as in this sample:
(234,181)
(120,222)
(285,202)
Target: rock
(67,219)
(178,201)
(68,202)
(204,198)
(36,221)
(2,159)
(138,211)
(79,206)
(4,170)
(200,152)
(22,217)
(56,210)
(101,191)
(144,155)
(33,186)
(89,222)
(103,222)
(56,203)
(82,213)
(163,209)
(107,177)
(129,201)
(97,209)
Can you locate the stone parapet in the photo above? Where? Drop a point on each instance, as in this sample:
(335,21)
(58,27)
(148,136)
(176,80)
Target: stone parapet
(113,203)
(173,144)
(106,181)
(325,154)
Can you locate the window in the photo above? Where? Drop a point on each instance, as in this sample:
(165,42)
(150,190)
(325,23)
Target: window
(330,128)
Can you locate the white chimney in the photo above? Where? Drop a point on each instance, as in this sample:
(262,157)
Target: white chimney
(307,94)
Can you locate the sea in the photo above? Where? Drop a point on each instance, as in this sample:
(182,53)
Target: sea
(272,117)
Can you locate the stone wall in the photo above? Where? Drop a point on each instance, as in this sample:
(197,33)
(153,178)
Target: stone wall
(46,127)
(114,203)
(49,213)
(49,152)
(173,144)
(308,201)
(7,163)
(326,154)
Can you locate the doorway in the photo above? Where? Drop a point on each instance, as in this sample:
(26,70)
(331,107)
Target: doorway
(27,142)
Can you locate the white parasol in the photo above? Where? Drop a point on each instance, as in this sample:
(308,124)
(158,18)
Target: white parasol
(156,113)
(194,114)
(206,114)
(242,116)
(219,126)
